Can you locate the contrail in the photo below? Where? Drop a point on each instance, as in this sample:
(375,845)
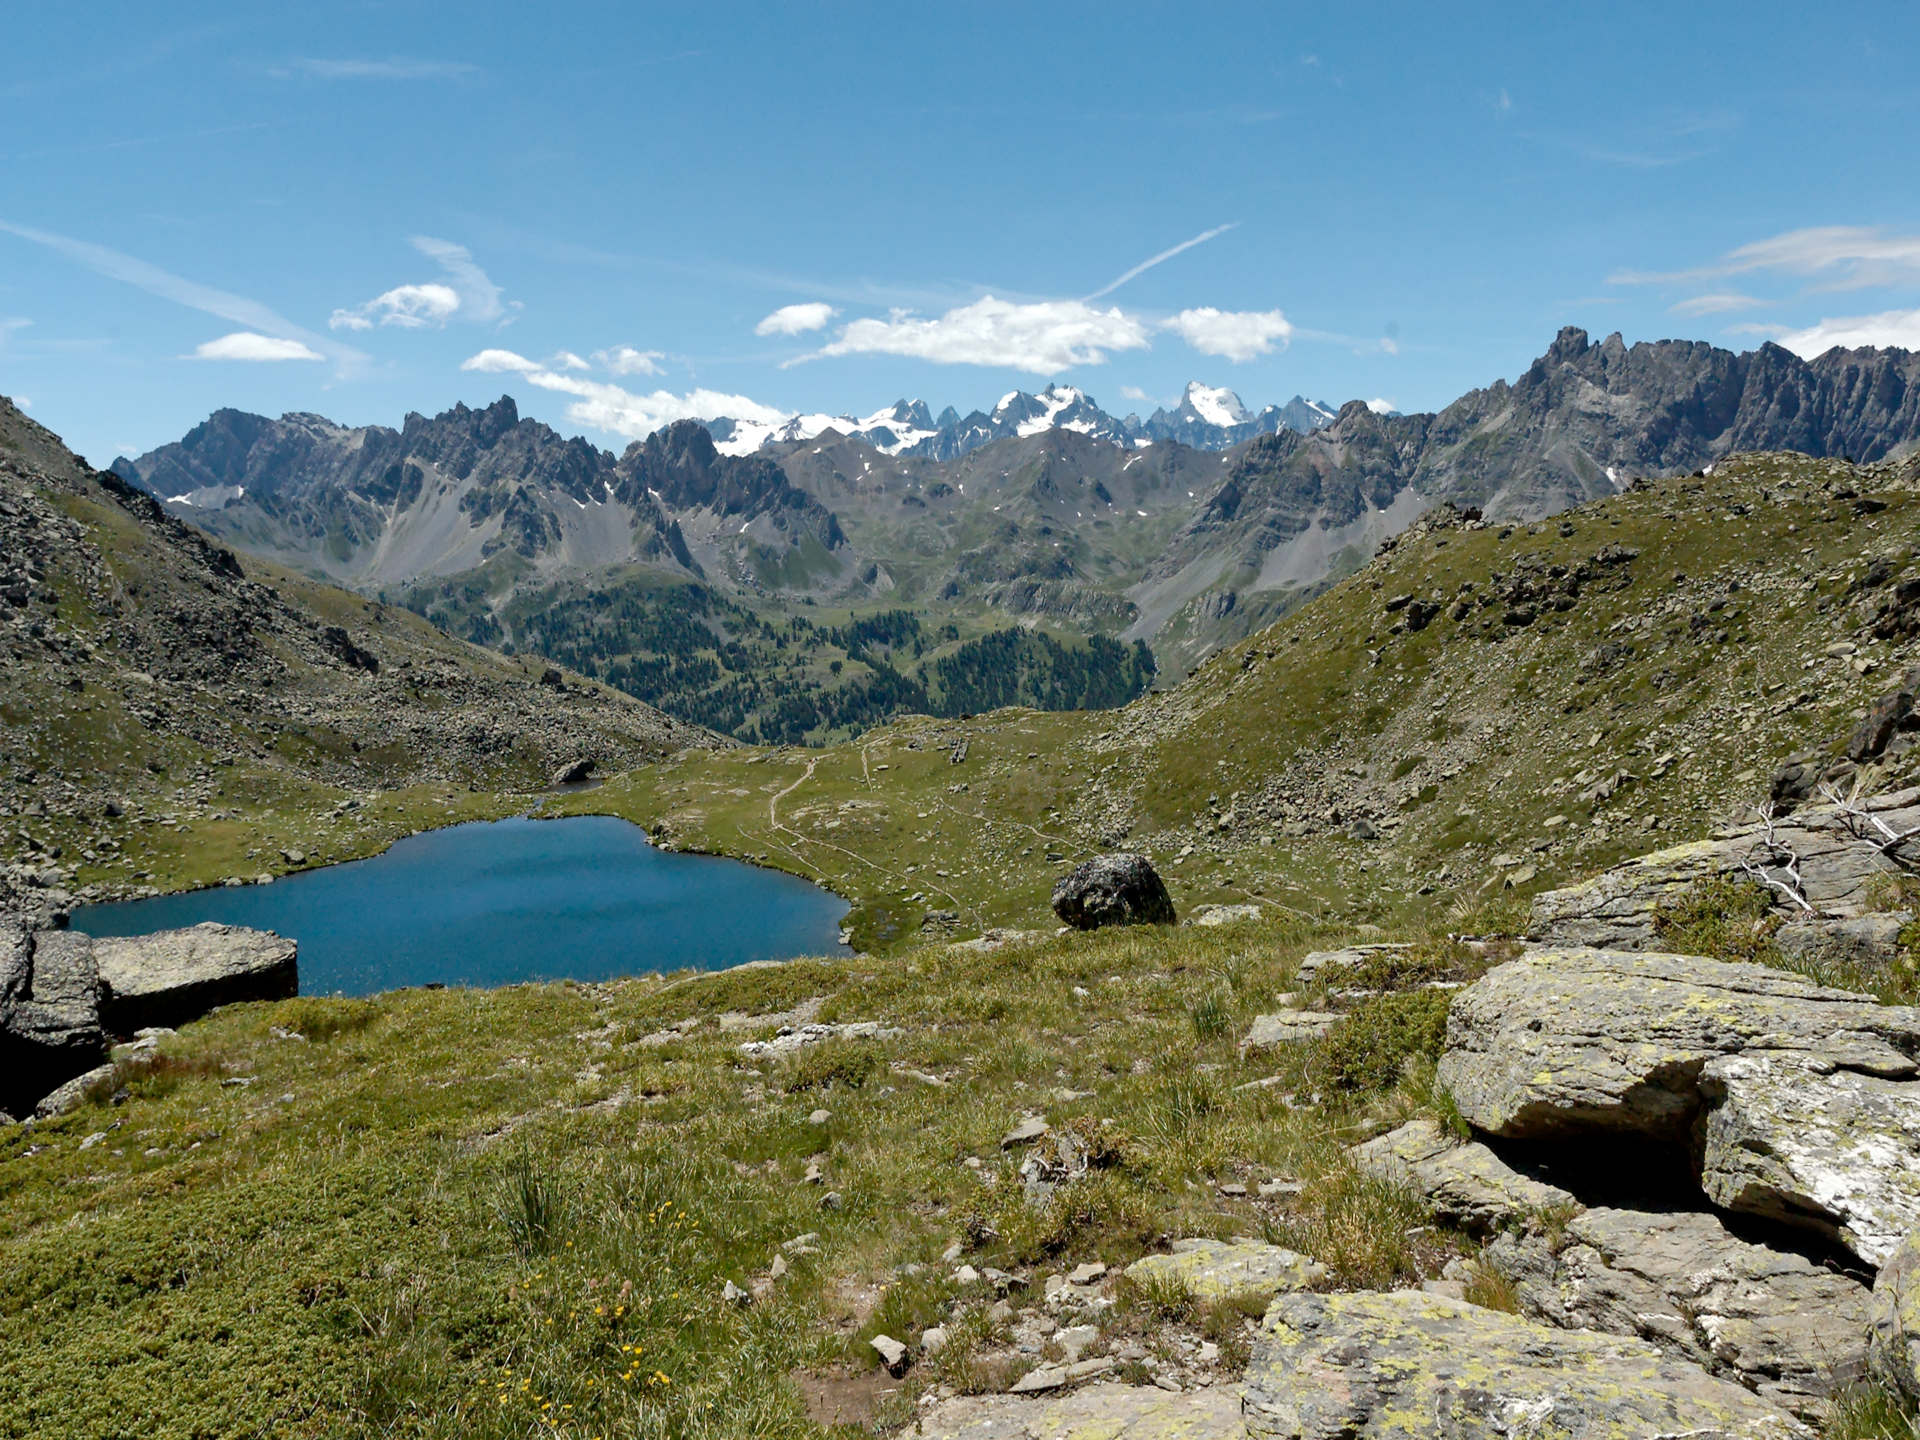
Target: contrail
(1146,265)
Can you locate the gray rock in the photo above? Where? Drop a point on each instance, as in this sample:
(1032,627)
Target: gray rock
(169,978)
(1121,889)
(1287,1027)
(574,774)
(1779,1324)
(891,1352)
(1565,1040)
(1243,1273)
(68,1097)
(1108,1411)
(1222,914)
(1315,963)
(1615,909)
(792,1039)
(1372,1366)
(1893,1341)
(49,1012)
(1463,1183)
(1871,941)
(1800,1103)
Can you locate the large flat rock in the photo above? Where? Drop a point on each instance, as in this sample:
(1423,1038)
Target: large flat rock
(1462,1182)
(1565,1040)
(174,976)
(1370,1366)
(1099,1412)
(1245,1273)
(1836,861)
(1782,1326)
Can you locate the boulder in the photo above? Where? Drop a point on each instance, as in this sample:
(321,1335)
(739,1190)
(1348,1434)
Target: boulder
(577,773)
(1316,964)
(1870,942)
(1797,1102)
(50,1028)
(1837,864)
(1119,889)
(69,1097)
(1107,1410)
(1370,1366)
(1788,1329)
(1242,1273)
(1463,1183)
(174,976)
(1893,1337)
(1210,915)
(1287,1027)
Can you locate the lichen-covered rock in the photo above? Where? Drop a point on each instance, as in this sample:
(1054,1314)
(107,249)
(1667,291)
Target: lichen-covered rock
(1871,942)
(1837,865)
(68,1097)
(1408,1364)
(1806,1142)
(1893,1341)
(1562,1041)
(174,976)
(1099,1412)
(1463,1183)
(1121,889)
(1242,1273)
(1788,1329)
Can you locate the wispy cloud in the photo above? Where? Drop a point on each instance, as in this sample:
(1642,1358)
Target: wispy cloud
(1719,303)
(1236,335)
(245,345)
(237,309)
(8,326)
(466,293)
(394,68)
(1381,406)
(600,405)
(1161,259)
(1042,338)
(1839,257)
(797,319)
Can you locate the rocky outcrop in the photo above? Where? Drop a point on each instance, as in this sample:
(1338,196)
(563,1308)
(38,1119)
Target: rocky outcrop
(1361,1366)
(49,1013)
(1121,889)
(1893,1342)
(174,976)
(1245,1274)
(1287,1027)
(1834,854)
(1799,1102)
(1782,1326)
(1107,1411)
(1462,1182)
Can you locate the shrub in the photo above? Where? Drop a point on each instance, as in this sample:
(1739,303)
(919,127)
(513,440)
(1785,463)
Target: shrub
(836,1062)
(1369,1047)
(1724,919)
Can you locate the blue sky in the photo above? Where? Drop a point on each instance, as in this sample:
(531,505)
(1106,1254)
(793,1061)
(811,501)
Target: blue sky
(622,214)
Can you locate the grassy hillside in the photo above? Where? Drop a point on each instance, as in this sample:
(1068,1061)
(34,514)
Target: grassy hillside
(1481,707)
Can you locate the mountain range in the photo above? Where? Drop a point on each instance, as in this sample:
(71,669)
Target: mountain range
(1058,519)
(1206,418)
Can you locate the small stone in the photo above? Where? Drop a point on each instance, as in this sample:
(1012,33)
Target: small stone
(832,1200)
(1235,1190)
(815,1175)
(933,1340)
(966,1275)
(1089,1274)
(734,1295)
(1046,1377)
(819,1117)
(891,1352)
(952,1253)
(1074,1340)
(778,1268)
(1277,1189)
(1033,1127)
(802,1244)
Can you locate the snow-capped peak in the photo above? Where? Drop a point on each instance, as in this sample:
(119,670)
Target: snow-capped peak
(1216,406)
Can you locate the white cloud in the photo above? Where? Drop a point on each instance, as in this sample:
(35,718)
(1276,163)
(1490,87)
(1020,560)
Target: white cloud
(1504,103)
(1042,338)
(395,69)
(1381,407)
(1716,304)
(567,360)
(618,411)
(245,345)
(467,292)
(7,327)
(1843,257)
(1899,329)
(797,319)
(23,402)
(1389,345)
(625,360)
(1135,393)
(1234,335)
(410,307)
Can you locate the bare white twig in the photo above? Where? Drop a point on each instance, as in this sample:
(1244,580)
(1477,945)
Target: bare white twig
(1780,857)
(1859,819)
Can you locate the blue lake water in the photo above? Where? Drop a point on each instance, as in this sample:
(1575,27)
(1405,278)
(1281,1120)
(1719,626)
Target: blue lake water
(510,900)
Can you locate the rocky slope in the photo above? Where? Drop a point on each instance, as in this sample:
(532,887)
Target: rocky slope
(153,684)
